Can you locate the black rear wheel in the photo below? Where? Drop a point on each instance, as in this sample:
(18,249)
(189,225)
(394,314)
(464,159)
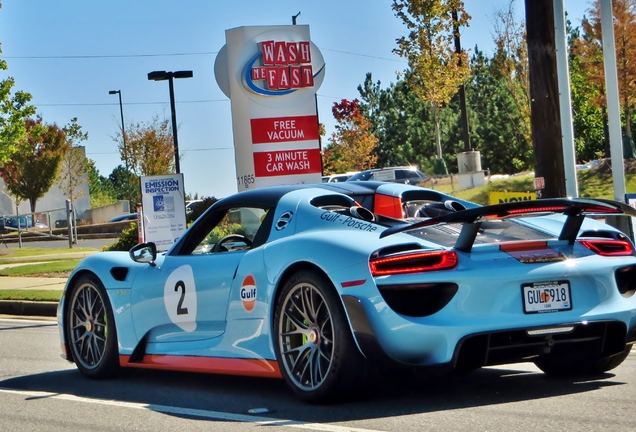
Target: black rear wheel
(314,346)
(91,329)
(572,366)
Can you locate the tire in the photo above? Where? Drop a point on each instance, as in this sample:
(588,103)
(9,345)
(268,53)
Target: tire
(90,329)
(316,353)
(574,367)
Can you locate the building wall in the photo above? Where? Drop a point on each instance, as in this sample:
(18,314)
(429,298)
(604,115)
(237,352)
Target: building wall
(54,199)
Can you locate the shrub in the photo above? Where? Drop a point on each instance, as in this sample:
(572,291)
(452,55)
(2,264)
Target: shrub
(128,238)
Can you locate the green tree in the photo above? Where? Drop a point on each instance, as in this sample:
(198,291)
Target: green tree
(436,69)
(149,148)
(504,145)
(587,103)
(126,185)
(510,64)
(14,110)
(401,121)
(33,169)
(100,188)
(74,166)
(590,49)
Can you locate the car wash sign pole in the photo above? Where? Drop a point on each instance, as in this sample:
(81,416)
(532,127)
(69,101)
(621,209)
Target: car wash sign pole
(271,75)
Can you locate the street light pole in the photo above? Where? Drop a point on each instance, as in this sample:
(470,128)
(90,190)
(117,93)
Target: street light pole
(162,76)
(124,147)
(173,112)
(123,128)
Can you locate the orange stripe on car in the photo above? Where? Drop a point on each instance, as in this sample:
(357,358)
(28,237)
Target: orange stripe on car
(216,365)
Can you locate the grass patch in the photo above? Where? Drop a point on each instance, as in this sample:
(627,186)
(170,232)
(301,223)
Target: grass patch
(41,269)
(9,255)
(31,295)
(592,184)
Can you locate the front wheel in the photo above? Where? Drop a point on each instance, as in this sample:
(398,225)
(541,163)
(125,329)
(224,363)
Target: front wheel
(573,366)
(90,328)
(314,346)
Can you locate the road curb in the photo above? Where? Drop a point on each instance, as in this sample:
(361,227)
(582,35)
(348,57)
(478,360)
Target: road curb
(31,308)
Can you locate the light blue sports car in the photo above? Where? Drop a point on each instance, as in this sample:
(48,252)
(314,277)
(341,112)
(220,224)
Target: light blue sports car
(305,284)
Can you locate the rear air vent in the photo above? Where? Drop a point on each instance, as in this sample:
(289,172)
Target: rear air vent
(626,280)
(418,300)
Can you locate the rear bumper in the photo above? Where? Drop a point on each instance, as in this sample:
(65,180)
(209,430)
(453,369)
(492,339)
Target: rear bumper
(427,346)
(587,339)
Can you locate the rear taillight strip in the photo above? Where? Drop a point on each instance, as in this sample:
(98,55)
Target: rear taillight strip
(413,263)
(608,247)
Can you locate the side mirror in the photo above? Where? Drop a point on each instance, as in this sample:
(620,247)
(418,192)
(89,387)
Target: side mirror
(144,253)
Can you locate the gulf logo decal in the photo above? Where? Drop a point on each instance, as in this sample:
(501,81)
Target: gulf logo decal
(248,293)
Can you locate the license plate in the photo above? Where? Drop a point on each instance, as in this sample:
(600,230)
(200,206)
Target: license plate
(543,297)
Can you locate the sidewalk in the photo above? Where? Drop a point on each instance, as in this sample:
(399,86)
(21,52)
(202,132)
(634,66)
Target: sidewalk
(25,307)
(32,308)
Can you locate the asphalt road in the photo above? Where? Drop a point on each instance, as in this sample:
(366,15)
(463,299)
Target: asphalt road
(40,391)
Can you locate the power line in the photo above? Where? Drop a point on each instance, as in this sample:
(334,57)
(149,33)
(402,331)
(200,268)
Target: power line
(110,56)
(364,55)
(180,151)
(130,103)
(67,57)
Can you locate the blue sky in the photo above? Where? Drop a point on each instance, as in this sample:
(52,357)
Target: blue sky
(68,54)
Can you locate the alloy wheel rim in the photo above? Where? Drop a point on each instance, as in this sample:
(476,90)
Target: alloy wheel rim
(306,337)
(88,331)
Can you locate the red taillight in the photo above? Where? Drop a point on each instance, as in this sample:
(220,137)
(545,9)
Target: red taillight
(413,263)
(546,209)
(609,247)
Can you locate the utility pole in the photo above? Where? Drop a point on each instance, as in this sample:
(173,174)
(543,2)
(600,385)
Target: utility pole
(545,117)
(462,88)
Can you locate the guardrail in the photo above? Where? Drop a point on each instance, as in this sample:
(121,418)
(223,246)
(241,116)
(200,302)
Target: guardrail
(22,228)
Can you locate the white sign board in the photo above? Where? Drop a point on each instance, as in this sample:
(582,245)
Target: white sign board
(271,75)
(164,213)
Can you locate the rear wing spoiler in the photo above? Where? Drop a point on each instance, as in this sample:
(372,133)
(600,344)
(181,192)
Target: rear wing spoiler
(574,208)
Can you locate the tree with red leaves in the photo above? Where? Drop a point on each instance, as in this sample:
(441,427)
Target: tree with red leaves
(352,145)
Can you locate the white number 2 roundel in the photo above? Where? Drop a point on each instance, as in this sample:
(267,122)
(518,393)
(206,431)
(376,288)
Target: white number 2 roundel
(180,298)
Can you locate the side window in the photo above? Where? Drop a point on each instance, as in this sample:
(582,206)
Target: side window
(400,175)
(235,231)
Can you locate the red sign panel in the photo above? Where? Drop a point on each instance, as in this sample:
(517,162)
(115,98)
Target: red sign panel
(539,183)
(287,162)
(284,129)
(285,65)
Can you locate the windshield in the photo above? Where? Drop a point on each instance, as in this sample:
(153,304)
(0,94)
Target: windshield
(364,175)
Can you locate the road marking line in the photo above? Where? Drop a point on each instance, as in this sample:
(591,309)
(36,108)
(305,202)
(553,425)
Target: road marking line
(215,415)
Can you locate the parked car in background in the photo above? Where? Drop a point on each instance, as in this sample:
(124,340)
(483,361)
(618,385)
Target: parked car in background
(10,223)
(124,217)
(190,204)
(406,174)
(337,178)
(35,224)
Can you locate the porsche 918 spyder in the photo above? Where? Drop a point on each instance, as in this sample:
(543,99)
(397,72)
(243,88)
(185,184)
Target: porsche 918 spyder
(305,284)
